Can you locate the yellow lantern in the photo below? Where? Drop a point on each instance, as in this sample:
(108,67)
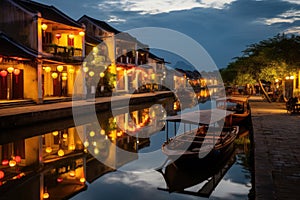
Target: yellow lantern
(71,36)
(65,135)
(81,33)
(82,180)
(44,27)
(48,149)
(64,78)
(86,143)
(72,173)
(102,132)
(71,70)
(91,73)
(55,133)
(46,195)
(96,151)
(47,69)
(85,69)
(92,133)
(61,152)
(64,74)
(102,74)
(10,69)
(60,68)
(54,75)
(12,163)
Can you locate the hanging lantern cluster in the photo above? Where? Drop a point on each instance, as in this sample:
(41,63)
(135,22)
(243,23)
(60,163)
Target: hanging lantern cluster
(10,70)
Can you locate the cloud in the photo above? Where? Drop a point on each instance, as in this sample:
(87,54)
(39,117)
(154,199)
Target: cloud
(289,16)
(293,30)
(115,19)
(293,1)
(153,7)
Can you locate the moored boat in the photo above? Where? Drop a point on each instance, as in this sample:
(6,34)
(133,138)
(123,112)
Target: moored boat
(238,105)
(205,142)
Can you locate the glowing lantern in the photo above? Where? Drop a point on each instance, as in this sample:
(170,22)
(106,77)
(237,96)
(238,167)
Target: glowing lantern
(102,74)
(81,33)
(94,143)
(65,135)
(58,36)
(91,73)
(5,162)
(47,69)
(55,133)
(85,69)
(44,27)
(60,68)
(10,69)
(3,73)
(48,149)
(64,74)
(60,152)
(17,72)
(92,133)
(71,36)
(72,173)
(72,147)
(1,174)
(86,143)
(46,195)
(64,78)
(54,75)
(82,180)
(71,70)
(12,163)
(96,151)
(102,132)
(18,159)
(59,180)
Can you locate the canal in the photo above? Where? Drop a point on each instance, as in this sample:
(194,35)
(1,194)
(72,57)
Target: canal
(116,156)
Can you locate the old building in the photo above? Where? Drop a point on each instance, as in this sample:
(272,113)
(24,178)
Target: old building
(56,39)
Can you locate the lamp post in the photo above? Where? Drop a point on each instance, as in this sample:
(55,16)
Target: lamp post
(289,86)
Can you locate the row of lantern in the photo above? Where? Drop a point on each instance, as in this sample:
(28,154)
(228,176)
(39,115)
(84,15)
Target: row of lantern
(10,70)
(58,35)
(59,68)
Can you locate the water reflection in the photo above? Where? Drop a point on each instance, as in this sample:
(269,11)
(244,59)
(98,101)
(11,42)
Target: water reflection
(63,161)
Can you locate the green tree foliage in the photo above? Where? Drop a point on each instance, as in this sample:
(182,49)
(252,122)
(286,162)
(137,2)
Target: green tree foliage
(264,61)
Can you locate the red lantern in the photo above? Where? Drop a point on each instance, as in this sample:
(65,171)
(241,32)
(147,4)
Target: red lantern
(1,174)
(59,180)
(16,72)
(3,73)
(58,36)
(18,159)
(5,162)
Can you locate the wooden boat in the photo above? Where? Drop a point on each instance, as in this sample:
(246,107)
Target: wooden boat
(189,181)
(202,143)
(238,105)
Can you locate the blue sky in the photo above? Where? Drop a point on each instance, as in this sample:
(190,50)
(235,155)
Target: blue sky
(223,27)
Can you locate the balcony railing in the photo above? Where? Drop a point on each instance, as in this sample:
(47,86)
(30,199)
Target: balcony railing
(62,51)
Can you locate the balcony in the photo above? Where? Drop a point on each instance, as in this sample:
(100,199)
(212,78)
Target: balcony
(63,52)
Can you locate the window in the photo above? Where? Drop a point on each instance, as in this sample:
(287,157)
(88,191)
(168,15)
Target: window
(47,38)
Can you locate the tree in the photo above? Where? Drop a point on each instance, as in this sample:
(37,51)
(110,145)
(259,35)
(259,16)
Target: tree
(266,60)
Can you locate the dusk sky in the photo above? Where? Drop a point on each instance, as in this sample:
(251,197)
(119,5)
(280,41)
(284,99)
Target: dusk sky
(223,27)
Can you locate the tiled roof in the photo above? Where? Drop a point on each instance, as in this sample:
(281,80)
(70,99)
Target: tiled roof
(11,48)
(101,24)
(48,12)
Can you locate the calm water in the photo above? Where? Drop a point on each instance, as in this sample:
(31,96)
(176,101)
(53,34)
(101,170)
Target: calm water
(62,160)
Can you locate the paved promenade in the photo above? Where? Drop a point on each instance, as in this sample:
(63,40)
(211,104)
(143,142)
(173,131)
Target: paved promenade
(276,151)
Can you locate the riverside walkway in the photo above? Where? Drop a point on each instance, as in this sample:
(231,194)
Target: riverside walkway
(276,137)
